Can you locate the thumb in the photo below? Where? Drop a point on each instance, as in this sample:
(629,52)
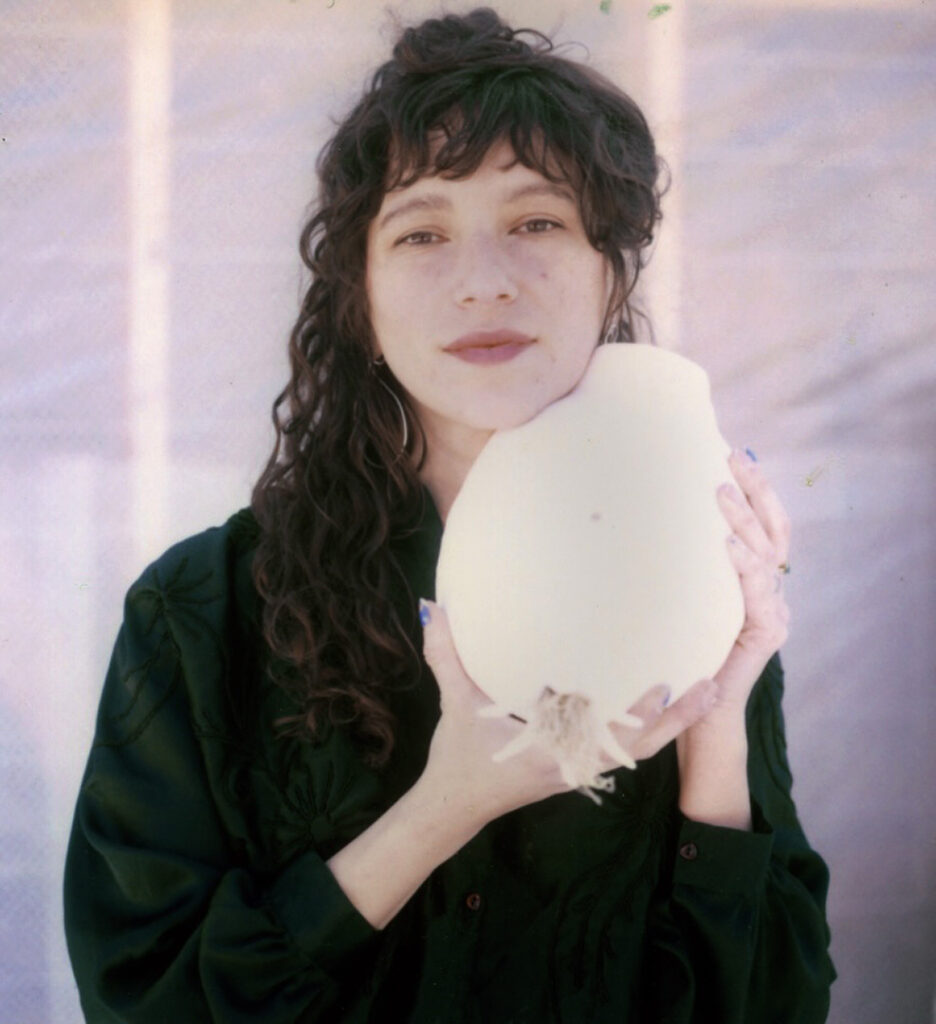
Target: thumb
(439,651)
(693,705)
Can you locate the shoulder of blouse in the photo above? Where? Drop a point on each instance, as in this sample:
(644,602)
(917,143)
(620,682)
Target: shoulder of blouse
(201,569)
(188,617)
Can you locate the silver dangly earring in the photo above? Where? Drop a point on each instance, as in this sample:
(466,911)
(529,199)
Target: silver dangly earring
(380,361)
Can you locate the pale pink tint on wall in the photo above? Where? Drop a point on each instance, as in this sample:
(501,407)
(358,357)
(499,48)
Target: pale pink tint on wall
(796,265)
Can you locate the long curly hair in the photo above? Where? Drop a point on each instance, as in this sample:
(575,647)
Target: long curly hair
(339,488)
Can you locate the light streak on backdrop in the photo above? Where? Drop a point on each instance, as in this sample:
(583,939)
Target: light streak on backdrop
(665,67)
(150,102)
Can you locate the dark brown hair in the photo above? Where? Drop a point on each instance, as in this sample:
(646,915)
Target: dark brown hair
(338,487)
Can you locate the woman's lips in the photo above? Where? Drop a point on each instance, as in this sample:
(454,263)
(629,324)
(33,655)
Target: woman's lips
(489,346)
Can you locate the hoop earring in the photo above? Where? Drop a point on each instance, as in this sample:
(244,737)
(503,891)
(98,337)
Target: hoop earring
(380,361)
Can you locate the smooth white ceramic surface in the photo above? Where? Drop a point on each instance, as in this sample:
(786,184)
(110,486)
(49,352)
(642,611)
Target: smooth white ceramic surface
(585,552)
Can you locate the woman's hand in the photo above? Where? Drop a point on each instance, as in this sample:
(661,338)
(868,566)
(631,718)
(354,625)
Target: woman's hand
(461,763)
(759,547)
(713,752)
(462,787)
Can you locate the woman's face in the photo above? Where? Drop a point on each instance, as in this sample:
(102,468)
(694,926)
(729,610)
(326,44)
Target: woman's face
(486,297)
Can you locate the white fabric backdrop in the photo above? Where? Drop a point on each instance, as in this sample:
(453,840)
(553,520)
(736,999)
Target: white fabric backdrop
(155,164)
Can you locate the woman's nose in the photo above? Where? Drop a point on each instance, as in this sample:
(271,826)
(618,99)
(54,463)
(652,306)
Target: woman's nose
(483,276)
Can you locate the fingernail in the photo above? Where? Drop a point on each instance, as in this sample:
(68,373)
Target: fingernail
(425,616)
(750,454)
(666,697)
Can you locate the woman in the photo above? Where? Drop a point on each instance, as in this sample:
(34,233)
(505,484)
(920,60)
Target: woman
(285,815)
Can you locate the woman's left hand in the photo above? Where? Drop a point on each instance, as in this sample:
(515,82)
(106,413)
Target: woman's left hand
(713,751)
(759,547)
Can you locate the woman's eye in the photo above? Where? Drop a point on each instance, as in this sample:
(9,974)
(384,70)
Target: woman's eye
(538,225)
(417,238)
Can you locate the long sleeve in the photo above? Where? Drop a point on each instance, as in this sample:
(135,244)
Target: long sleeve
(165,918)
(627,913)
(196,887)
(738,928)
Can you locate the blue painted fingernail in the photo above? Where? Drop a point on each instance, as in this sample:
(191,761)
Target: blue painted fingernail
(750,454)
(424,615)
(666,697)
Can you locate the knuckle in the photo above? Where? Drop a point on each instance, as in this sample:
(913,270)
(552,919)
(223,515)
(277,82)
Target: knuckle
(430,642)
(758,483)
(433,650)
(743,553)
(776,633)
(639,750)
(749,519)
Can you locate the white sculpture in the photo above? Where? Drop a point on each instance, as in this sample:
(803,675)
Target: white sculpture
(584,558)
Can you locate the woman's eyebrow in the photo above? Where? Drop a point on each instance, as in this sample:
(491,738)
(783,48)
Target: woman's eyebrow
(431,201)
(542,188)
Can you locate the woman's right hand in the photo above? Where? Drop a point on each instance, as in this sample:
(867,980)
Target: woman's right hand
(462,787)
(461,772)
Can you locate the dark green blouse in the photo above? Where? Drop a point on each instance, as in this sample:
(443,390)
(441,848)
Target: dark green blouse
(196,887)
